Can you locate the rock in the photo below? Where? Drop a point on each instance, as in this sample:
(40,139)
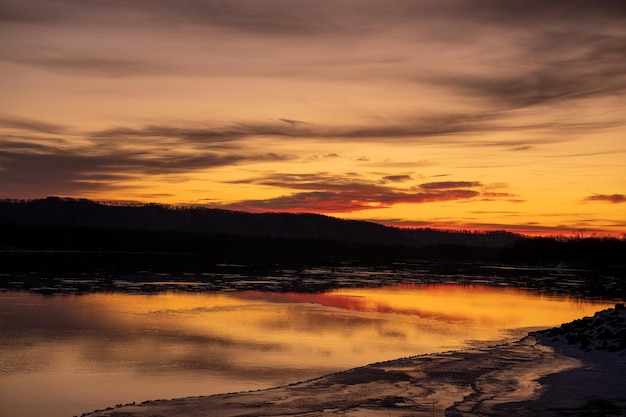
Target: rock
(605,331)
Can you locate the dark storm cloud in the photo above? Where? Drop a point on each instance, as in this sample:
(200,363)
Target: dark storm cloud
(609,198)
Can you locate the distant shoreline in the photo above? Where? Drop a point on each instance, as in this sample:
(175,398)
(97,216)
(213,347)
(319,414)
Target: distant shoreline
(69,278)
(203,237)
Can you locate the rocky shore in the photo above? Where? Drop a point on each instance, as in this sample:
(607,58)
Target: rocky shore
(605,331)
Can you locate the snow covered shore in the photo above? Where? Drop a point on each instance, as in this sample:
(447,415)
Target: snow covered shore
(576,369)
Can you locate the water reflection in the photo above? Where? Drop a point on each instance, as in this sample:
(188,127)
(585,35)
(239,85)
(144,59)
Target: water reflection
(70,354)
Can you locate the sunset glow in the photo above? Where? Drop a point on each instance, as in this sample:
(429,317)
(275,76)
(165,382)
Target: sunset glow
(452,114)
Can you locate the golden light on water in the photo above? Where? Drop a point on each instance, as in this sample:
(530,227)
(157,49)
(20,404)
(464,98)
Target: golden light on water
(346,326)
(475,304)
(116,348)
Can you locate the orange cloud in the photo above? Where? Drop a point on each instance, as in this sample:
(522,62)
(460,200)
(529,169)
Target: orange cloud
(613,198)
(324,193)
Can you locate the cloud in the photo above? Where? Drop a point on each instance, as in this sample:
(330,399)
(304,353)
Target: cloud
(549,51)
(448,128)
(567,52)
(266,18)
(327,193)
(164,134)
(312,181)
(347,201)
(527,54)
(112,158)
(496,195)
(106,158)
(25,144)
(293,122)
(30,125)
(99,66)
(610,198)
(441,185)
(397,178)
(35,166)
(311,16)
(560,79)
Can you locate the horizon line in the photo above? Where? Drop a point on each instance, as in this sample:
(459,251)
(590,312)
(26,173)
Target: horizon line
(515,229)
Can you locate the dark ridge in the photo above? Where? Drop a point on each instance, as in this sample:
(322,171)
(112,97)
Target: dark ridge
(55,212)
(72,213)
(55,234)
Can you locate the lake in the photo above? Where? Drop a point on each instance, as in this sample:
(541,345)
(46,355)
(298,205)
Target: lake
(63,355)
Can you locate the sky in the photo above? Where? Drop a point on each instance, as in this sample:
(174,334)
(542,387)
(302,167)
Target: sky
(451,114)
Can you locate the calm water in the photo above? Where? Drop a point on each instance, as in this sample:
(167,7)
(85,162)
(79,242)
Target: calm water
(61,356)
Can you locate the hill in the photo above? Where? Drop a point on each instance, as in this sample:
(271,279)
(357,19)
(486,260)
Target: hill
(55,233)
(80,213)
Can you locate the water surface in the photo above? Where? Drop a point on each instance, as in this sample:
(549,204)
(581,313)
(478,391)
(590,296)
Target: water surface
(64,355)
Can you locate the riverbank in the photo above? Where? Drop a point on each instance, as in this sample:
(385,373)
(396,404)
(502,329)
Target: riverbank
(546,374)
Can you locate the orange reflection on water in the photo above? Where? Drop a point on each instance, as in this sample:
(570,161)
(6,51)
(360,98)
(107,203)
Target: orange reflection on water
(345,327)
(503,307)
(176,344)
(476,304)
(338,326)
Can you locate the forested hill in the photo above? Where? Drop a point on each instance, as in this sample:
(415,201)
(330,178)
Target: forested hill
(80,213)
(38,233)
